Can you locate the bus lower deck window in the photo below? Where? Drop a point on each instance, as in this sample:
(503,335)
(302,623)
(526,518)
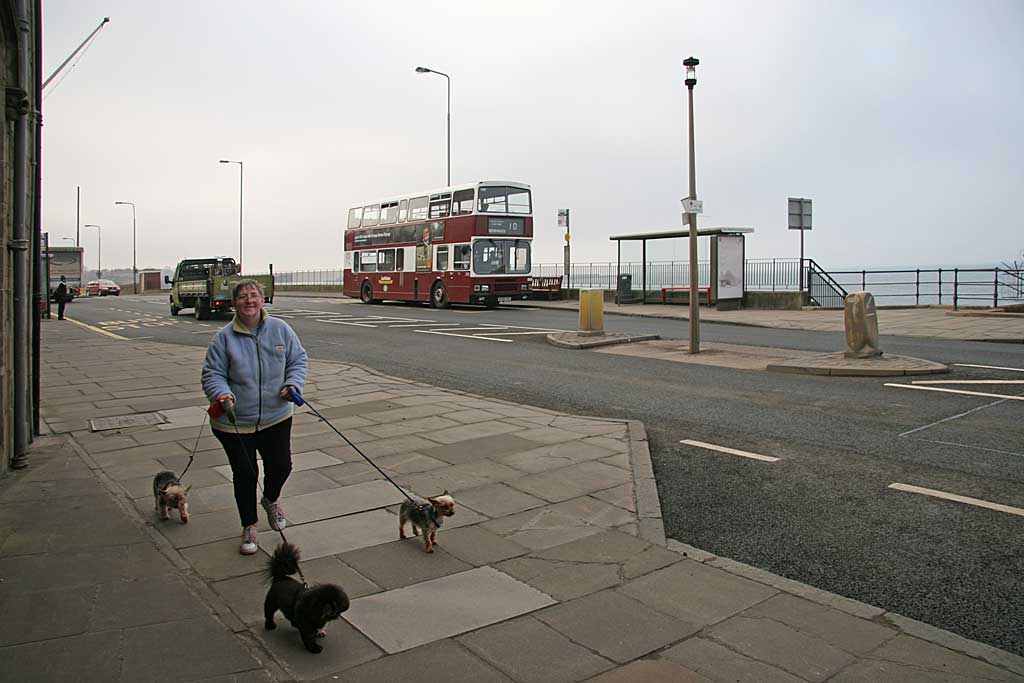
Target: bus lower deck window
(461,255)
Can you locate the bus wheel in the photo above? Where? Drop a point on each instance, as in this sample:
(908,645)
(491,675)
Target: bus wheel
(439,296)
(366,293)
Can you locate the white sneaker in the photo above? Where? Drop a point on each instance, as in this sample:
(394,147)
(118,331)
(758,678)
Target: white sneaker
(248,546)
(275,513)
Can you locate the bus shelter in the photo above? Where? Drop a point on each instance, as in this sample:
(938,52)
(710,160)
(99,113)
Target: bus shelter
(728,254)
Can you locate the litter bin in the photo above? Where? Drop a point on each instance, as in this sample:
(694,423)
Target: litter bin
(624,292)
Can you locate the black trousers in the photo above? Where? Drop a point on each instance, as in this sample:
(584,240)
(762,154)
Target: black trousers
(60,309)
(275,448)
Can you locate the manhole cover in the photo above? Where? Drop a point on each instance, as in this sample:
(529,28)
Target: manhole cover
(119,421)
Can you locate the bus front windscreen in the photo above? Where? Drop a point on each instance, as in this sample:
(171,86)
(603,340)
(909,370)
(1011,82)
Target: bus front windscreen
(501,257)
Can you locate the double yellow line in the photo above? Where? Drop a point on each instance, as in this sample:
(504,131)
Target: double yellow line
(97,330)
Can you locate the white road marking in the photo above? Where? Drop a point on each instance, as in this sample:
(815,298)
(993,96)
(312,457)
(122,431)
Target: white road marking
(988,367)
(975,448)
(467,336)
(953,417)
(204,331)
(730,451)
(959,499)
(955,391)
(967,381)
(426,323)
(335,321)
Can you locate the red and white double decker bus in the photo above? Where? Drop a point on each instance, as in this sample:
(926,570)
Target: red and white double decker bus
(465,244)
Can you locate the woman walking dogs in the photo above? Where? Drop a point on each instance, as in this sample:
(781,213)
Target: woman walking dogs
(248,368)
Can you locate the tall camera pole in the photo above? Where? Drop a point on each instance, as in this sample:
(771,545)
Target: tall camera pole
(691,80)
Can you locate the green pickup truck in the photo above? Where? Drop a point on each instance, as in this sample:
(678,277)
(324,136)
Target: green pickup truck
(205,284)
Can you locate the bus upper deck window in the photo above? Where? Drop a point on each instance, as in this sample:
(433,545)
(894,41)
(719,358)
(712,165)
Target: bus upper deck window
(462,203)
(440,205)
(418,209)
(371,214)
(403,210)
(354,216)
(388,213)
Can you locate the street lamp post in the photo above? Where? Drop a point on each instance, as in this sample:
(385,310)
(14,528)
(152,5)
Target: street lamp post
(425,70)
(691,80)
(99,249)
(135,272)
(241,177)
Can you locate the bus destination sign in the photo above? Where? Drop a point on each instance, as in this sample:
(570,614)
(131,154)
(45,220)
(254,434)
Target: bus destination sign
(506,226)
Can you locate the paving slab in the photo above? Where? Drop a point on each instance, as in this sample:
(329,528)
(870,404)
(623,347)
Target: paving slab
(343,500)
(221,560)
(142,601)
(722,664)
(542,527)
(37,615)
(211,651)
(919,654)
(562,580)
(651,671)
(457,663)
(532,652)
(572,481)
(344,647)
(307,460)
(470,450)
(478,546)
(697,593)
(781,646)
(615,626)
(498,500)
(92,655)
(849,633)
(402,563)
(336,535)
(553,456)
(496,597)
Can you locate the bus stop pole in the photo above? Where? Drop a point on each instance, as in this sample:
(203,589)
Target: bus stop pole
(691,63)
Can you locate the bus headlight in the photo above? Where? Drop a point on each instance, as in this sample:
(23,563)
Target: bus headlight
(481,288)
(525,286)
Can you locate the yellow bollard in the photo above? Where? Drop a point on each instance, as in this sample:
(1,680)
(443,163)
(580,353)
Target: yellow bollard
(591,313)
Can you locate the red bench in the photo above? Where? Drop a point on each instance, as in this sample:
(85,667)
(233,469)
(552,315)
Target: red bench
(546,287)
(707,290)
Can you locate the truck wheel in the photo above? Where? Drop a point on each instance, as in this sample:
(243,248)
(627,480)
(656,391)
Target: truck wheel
(203,309)
(439,296)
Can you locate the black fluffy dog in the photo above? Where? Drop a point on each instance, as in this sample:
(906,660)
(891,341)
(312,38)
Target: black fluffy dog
(307,608)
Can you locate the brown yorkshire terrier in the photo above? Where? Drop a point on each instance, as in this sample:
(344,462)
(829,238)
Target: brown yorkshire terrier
(168,494)
(426,516)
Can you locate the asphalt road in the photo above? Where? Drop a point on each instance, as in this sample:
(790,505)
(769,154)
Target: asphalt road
(824,513)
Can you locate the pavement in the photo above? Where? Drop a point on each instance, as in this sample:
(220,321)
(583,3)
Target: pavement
(554,568)
(936,322)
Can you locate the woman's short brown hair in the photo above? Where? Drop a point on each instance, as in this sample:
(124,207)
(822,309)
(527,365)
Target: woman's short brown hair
(242,284)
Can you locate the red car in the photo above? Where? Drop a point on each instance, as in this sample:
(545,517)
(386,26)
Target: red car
(102,288)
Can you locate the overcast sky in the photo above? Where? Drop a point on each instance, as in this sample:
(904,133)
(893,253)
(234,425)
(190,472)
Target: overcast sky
(901,120)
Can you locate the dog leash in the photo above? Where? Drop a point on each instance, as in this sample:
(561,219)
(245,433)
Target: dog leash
(230,411)
(192,455)
(298,399)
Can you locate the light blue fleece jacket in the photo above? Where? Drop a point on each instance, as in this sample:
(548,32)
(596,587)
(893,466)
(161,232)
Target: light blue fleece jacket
(253,366)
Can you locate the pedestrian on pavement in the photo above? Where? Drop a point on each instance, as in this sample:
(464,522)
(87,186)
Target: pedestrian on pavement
(61,295)
(249,366)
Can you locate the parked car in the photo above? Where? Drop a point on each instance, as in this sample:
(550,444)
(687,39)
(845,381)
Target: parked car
(102,288)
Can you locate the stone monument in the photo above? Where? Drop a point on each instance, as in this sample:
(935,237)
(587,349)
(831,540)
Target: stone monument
(861,326)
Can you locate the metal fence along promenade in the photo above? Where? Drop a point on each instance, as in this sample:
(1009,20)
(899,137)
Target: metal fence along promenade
(900,287)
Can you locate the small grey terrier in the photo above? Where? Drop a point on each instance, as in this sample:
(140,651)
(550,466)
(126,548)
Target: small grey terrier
(168,493)
(426,516)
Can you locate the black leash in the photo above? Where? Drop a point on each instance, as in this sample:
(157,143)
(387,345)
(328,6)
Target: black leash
(245,452)
(299,400)
(192,455)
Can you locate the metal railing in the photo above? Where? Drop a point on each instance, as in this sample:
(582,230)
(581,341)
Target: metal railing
(822,289)
(919,286)
(925,286)
(760,274)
